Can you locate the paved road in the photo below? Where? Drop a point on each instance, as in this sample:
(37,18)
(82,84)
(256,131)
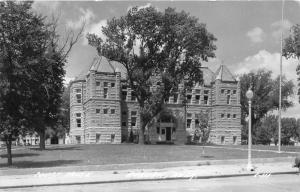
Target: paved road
(276,183)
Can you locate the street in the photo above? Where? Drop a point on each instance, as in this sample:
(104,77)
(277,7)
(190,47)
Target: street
(274,183)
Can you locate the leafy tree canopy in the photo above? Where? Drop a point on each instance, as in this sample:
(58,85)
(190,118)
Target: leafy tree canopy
(266,95)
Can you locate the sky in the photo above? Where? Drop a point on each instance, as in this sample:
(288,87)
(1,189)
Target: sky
(247,32)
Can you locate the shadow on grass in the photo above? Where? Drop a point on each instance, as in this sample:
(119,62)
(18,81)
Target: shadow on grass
(57,148)
(208,156)
(40,164)
(20,155)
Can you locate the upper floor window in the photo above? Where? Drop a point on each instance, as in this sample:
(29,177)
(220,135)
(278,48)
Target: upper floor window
(105,84)
(112,111)
(222,91)
(228,91)
(124,95)
(234,92)
(112,84)
(133,97)
(97,110)
(189,99)
(78,119)
(105,111)
(197,91)
(78,95)
(234,116)
(205,97)
(228,115)
(197,99)
(228,99)
(222,115)
(97,83)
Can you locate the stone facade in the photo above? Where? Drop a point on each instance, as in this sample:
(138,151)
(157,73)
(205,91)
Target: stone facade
(104,110)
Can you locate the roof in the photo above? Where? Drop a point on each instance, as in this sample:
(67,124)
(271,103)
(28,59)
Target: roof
(102,64)
(224,74)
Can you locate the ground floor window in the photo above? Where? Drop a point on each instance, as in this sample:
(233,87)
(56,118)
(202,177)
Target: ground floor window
(234,139)
(98,137)
(78,139)
(112,138)
(222,139)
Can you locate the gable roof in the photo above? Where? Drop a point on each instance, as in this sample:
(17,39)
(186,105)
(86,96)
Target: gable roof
(224,74)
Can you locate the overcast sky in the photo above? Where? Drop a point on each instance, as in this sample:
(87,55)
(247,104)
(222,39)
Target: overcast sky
(248,33)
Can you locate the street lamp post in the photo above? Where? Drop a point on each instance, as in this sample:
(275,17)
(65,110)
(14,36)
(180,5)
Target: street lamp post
(249,95)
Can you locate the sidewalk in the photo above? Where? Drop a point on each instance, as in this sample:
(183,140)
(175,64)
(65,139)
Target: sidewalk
(199,171)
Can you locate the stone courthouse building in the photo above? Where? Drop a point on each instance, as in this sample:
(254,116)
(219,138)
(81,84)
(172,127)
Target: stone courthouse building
(105,110)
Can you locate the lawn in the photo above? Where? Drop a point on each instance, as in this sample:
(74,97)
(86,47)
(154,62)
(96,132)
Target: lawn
(129,153)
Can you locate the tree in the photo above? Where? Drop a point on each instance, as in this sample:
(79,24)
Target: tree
(268,130)
(20,31)
(159,51)
(203,129)
(291,48)
(46,80)
(266,96)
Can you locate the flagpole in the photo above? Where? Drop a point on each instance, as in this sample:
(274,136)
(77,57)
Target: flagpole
(280,81)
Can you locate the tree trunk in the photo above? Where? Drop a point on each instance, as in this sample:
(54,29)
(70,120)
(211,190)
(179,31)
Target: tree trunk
(142,133)
(42,140)
(8,147)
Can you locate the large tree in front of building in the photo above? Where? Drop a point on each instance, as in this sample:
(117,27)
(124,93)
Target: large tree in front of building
(21,35)
(159,51)
(291,48)
(265,99)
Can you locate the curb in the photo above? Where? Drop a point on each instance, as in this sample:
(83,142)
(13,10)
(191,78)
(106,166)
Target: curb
(138,180)
(155,165)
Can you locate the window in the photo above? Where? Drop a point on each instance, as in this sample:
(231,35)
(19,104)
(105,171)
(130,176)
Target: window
(189,99)
(234,92)
(206,92)
(98,137)
(112,111)
(163,131)
(133,121)
(175,98)
(206,99)
(189,115)
(228,99)
(197,99)
(234,139)
(124,113)
(112,138)
(112,84)
(105,111)
(228,91)
(105,90)
(78,114)
(124,95)
(228,115)
(188,123)
(158,83)
(197,91)
(78,122)
(133,96)
(78,90)
(222,115)
(167,100)
(97,110)
(97,83)
(124,123)
(222,91)
(78,98)
(133,113)
(222,139)
(234,116)
(197,123)
(157,130)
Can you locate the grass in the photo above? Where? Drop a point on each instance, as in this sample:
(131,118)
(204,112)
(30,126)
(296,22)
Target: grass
(66,155)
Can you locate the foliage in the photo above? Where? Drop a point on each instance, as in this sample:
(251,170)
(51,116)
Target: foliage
(266,96)
(203,129)
(159,50)
(292,48)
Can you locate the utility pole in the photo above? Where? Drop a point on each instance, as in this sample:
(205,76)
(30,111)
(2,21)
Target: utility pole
(280,81)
